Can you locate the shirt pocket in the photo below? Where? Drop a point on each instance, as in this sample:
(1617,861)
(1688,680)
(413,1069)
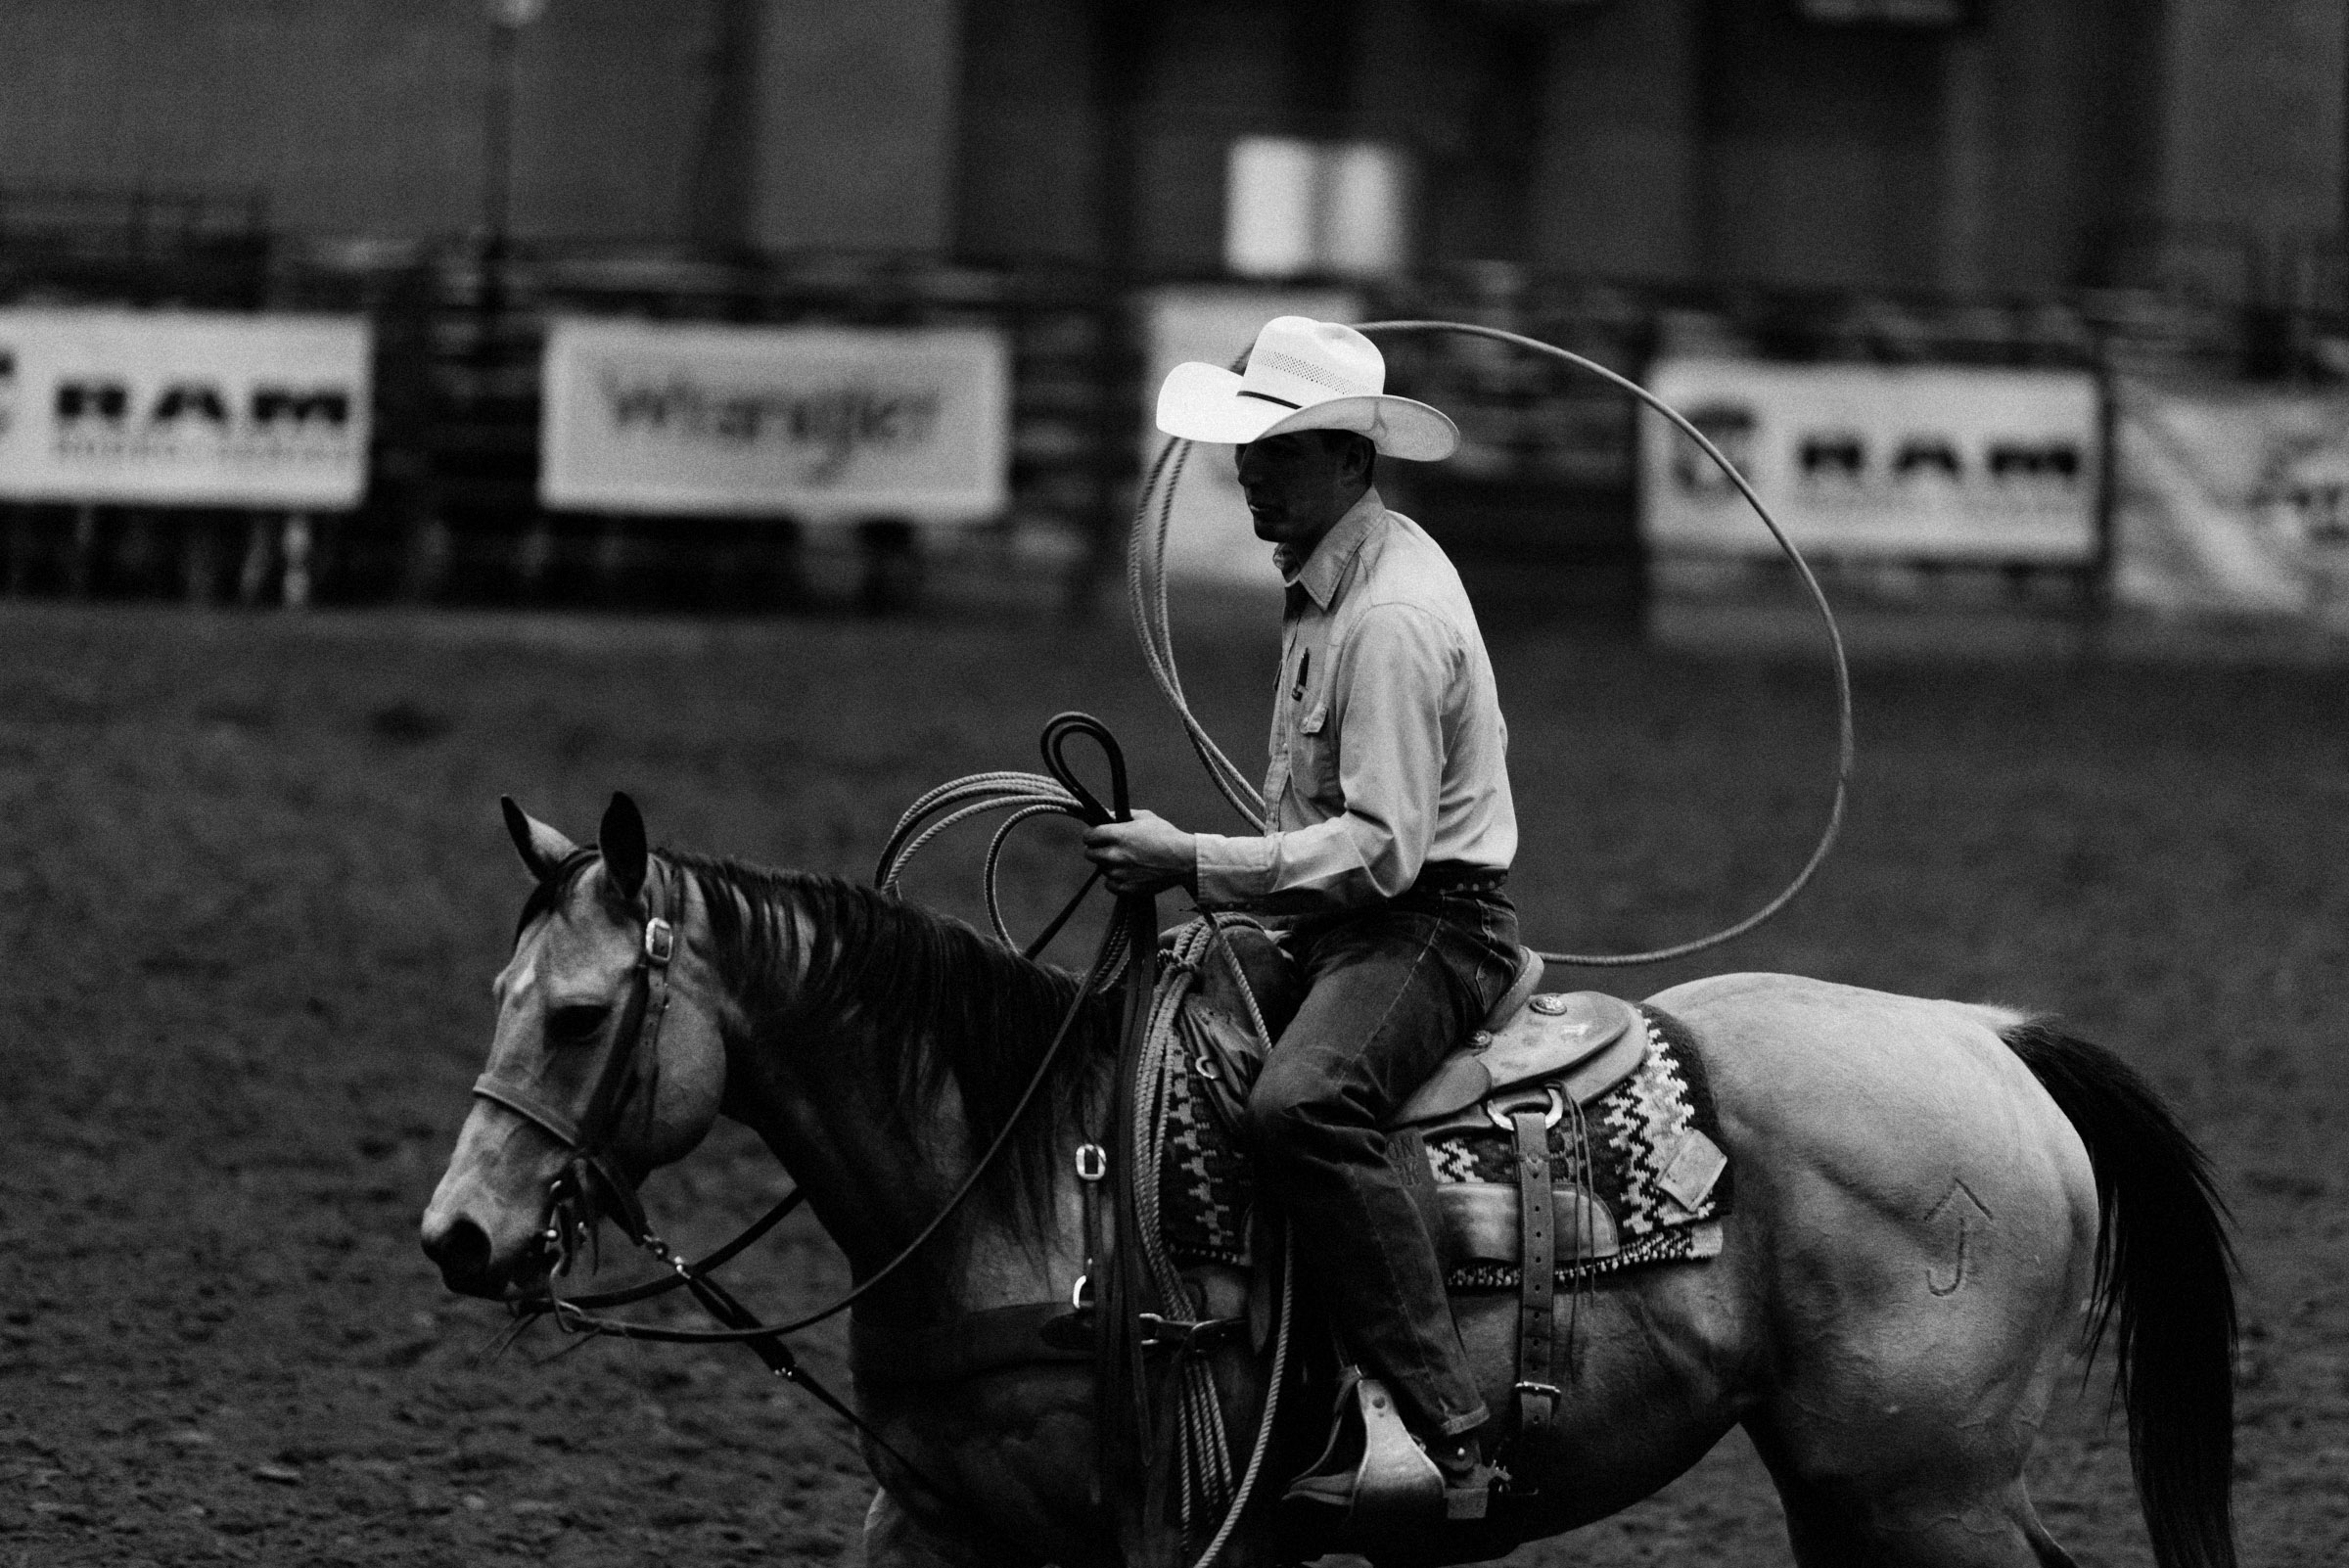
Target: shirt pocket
(1314,753)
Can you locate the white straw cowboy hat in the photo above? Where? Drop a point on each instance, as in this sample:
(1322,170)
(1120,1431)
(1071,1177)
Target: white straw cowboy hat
(1301,374)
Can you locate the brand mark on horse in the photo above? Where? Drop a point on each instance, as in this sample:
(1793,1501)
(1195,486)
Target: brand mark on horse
(1946,1201)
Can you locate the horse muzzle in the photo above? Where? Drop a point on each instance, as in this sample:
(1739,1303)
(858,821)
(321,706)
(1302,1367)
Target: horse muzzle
(473,1255)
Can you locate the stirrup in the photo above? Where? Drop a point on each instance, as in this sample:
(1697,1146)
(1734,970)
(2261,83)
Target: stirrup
(1373,1475)
(1470,1496)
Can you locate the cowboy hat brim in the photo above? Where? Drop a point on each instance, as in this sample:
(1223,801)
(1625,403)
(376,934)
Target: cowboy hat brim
(1204,403)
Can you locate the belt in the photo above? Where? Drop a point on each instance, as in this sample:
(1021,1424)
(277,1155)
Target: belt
(1437,879)
(1459,876)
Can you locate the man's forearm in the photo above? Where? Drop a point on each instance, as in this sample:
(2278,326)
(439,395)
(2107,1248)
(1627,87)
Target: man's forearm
(1347,862)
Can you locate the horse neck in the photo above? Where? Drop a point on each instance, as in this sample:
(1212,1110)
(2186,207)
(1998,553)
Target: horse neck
(859,1083)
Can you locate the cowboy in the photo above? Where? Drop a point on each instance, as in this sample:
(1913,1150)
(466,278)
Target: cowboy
(1388,835)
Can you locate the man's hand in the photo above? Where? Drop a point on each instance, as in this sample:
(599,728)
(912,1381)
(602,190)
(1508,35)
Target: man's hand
(1144,856)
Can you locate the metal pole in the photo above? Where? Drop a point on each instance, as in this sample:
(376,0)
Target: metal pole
(507,19)
(497,136)
(497,171)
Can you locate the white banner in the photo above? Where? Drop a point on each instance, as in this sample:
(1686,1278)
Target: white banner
(1935,463)
(2233,499)
(822,422)
(1210,537)
(184,408)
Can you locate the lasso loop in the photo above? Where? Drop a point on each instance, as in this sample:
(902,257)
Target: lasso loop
(1146,585)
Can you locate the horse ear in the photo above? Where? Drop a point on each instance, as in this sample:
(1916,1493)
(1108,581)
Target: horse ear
(543,848)
(622,840)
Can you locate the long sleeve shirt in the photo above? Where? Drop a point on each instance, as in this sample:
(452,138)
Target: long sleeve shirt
(1388,748)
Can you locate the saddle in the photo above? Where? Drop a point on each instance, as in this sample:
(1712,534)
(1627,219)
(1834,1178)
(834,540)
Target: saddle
(1533,1050)
(1545,1054)
(1535,1061)
(1495,1147)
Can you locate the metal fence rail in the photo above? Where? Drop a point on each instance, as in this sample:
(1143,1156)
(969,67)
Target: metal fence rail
(451,514)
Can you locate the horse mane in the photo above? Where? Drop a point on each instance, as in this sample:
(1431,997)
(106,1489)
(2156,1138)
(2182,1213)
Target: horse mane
(931,1004)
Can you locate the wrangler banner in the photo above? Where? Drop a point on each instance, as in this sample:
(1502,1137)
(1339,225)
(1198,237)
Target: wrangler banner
(1930,463)
(826,424)
(2233,499)
(183,408)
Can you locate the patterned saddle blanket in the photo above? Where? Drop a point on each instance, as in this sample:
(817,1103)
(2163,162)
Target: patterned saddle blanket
(1639,1173)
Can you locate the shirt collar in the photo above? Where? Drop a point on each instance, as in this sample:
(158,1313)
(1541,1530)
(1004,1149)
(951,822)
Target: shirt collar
(1325,569)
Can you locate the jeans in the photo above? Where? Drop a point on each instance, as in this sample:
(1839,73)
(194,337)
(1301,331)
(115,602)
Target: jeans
(1391,993)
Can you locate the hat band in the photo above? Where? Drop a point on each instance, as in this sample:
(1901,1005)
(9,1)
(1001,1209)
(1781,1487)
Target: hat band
(1269,398)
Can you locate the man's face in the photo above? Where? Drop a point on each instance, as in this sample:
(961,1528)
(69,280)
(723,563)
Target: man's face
(1298,486)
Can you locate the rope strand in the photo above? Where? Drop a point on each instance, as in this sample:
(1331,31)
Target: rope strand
(1147,586)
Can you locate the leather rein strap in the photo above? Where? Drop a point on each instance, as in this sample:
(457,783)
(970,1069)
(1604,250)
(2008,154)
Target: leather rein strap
(1127,943)
(571,1317)
(584,1131)
(587,1131)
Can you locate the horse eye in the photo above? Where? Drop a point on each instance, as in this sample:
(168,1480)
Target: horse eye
(575,1025)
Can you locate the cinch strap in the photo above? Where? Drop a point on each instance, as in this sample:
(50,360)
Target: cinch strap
(1537,1389)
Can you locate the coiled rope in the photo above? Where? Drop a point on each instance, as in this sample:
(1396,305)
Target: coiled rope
(1202,1462)
(1147,589)
(1023,796)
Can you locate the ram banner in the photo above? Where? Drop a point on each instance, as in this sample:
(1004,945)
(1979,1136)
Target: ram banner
(1933,463)
(181,408)
(825,424)
(2233,499)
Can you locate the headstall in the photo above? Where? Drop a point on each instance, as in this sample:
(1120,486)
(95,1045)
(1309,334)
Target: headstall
(590,1179)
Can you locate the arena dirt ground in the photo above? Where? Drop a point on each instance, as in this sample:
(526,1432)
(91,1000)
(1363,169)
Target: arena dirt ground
(254,886)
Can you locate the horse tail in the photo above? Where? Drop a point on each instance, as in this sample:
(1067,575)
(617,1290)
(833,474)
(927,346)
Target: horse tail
(2163,1285)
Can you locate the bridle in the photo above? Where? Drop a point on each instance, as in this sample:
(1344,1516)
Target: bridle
(591,1182)
(591,1179)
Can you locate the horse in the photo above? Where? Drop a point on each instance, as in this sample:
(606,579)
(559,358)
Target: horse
(1929,1195)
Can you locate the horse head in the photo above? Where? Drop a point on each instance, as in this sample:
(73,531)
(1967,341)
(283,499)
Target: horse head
(607,1060)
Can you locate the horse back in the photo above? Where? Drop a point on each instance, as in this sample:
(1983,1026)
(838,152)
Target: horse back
(1912,1208)
(1889,1094)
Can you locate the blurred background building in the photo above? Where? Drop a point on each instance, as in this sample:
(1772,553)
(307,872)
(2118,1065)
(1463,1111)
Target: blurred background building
(1964,145)
(2131,184)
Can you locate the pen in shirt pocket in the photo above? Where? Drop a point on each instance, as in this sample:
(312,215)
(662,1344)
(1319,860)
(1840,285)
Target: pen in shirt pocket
(1305,663)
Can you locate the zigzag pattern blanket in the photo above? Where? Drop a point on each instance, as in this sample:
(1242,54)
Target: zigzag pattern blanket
(1207,1188)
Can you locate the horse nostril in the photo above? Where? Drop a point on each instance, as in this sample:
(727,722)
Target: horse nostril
(462,1250)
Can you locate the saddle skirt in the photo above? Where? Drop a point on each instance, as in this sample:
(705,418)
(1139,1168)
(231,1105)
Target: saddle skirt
(1638,1172)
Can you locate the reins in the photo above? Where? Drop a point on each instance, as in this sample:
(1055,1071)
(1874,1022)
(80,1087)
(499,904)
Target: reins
(1125,1327)
(572,1318)
(590,1173)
